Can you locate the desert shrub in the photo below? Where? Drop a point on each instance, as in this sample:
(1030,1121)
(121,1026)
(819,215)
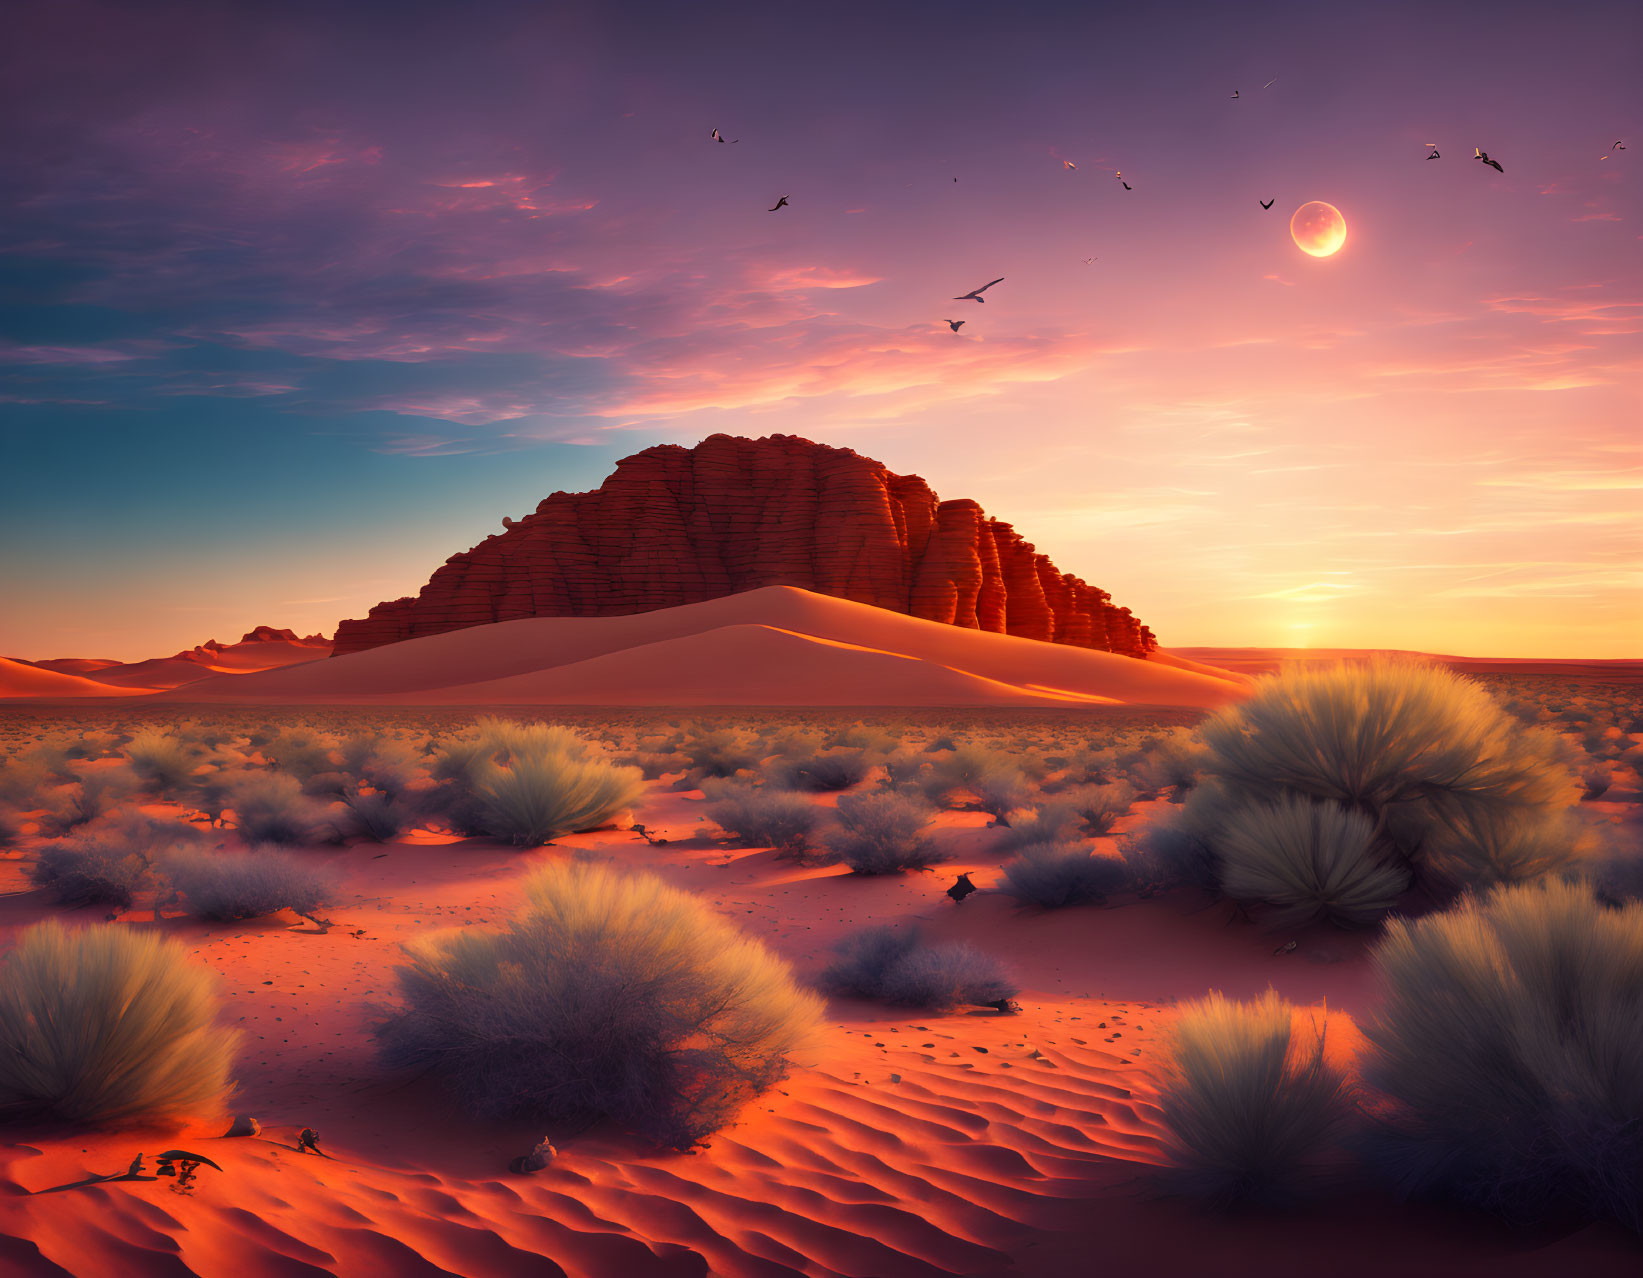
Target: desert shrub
(530,783)
(246,885)
(967,771)
(837,769)
(271,808)
(1493,846)
(904,768)
(91,797)
(24,784)
(899,967)
(329,785)
(91,872)
(1509,1053)
(883,833)
(106,1025)
(1098,806)
(721,752)
(762,816)
(1170,762)
(607,997)
(538,798)
(1308,860)
(1174,848)
(1055,874)
(1247,1105)
(299,753)
(377,817)
(109,861)
(163,763)
(1415,748)
(1053,822)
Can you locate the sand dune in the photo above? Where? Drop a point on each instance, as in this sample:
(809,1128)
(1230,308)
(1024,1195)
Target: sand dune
(164,673)
(20,679)
(75,665)
(775,646)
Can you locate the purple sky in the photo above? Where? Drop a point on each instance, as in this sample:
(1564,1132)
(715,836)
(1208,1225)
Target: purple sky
(294,304)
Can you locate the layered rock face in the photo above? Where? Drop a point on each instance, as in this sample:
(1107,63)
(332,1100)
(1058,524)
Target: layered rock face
(677,525)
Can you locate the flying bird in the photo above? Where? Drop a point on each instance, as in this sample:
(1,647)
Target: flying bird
(1266,204)
(1619,146)
(1434,155)
(1494,164)
(955,325)
(779,204)
(1235,95)
(1068,164)
(719,137)
(1120,176)
(1088,260)
(975,295)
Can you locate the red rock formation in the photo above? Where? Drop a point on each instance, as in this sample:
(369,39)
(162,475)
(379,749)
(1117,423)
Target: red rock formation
(677,525)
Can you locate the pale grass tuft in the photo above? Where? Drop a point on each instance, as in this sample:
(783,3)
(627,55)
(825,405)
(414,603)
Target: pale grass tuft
(103,1025)
(1248,1105)
(1509,1048)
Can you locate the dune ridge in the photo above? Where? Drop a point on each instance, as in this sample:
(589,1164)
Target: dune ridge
(777,645)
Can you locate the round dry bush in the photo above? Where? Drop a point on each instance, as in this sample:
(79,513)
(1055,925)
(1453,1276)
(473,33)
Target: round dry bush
(1415,748)
(270,807)
(1052,875)
(163,762)
(1309,861)
(883,833)
(762,816)
(1492,847)
(1248,1106)
(536,798)
(228,886)
(837,769)
(1509,1053)
(103,1025)
(898,966)
(608,997)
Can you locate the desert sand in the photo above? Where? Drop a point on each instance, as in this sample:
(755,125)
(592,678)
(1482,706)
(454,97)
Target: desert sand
(20,679)
(773,646)
(905,1143)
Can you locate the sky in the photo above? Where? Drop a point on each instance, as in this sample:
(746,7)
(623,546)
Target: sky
(296,301)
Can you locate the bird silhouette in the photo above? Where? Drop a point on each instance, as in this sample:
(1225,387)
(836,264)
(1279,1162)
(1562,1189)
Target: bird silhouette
(1619,146)
(719,137)
(962,887)
(975,294)
(1235,95)
(1088,260)
(1268,84)
(779,204)
(1266,204)
(1068,164)
(955,325)
(1494,164)
(1120,176)
(1434,155)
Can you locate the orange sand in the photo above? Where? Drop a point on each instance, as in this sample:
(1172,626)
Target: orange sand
(1009,1145)
(775,646)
